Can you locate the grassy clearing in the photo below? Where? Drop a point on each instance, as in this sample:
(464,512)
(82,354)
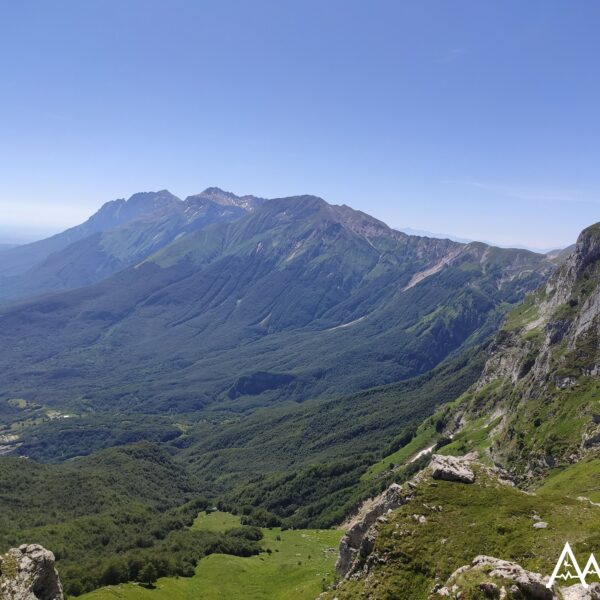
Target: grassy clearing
(297,566)
(217,521)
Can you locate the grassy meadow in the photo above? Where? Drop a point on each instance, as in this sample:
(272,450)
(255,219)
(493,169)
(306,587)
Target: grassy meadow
(294,564)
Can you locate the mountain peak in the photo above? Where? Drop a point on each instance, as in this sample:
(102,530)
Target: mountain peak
(117,212)
(160,197)
(363,223)
(587,248)
(224,198)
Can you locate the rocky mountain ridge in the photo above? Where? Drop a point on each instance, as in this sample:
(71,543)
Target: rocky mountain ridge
(120,234)
(300,298)
(543,372)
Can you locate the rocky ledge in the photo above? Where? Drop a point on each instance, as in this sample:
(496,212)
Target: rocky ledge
(357,545)
(28,573)
(356,556)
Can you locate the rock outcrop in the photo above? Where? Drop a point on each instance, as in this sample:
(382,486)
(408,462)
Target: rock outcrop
(495,578)
(356,546)
(578,592)
(28,573)
(451,468)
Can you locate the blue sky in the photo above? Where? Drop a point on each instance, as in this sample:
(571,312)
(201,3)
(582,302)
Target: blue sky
(479,119)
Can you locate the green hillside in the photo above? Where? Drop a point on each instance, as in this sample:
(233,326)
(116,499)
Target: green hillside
(109,516)
(297,300)
(463,521)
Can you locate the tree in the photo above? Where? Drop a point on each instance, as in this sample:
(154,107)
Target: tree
(115,572)
(148,573)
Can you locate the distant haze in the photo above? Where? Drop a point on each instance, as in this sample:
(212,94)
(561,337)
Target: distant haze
(23,232)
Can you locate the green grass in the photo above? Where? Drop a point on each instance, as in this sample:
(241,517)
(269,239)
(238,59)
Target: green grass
(525,313)
(476,436)
(299,563)
(463,521)
(216,521)
(580,479)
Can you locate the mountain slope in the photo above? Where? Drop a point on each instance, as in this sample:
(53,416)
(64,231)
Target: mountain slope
(541,384)
(120,234)
(112,214)
(297,299)
(532,419)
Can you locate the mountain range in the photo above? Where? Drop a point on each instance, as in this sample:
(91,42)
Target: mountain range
(233,303)
(295,364)
(120,234)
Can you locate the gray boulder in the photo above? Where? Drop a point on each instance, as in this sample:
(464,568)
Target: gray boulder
(578,592)
(451,468)
(28,573)
(532,585)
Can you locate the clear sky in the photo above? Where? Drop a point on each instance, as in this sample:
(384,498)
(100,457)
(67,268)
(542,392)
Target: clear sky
(475,118)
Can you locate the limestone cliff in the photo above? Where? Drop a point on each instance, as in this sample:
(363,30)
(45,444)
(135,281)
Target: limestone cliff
(539,395)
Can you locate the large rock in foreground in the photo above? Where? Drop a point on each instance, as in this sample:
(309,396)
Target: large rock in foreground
(28,573)
(497,579)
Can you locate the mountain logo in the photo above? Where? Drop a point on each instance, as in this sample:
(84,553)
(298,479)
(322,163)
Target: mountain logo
(567,568)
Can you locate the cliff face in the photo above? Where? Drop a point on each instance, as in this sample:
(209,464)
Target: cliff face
(536,408)
(28,573)
(539,394)
(563,313)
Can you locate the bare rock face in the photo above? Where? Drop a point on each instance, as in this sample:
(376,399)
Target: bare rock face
(357,545)
(451,468)
(578,592)
(28,573)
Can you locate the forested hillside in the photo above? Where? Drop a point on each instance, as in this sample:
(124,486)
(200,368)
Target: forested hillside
(286,366)
(297,300)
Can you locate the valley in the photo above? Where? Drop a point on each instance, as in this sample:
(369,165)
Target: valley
(290,364)
(294,564)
